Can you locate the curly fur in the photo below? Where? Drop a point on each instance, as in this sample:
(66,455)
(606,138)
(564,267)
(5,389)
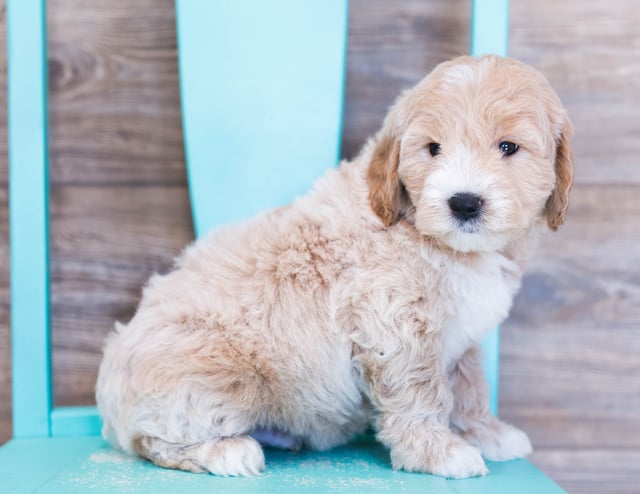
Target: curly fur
(362,303)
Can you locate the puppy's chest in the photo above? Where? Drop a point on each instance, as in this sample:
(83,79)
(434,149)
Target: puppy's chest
(480,298)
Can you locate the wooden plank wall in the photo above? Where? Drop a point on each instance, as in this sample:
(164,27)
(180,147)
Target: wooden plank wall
(5,350)
(570,371)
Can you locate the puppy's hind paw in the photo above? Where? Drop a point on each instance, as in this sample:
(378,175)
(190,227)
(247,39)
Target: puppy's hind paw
(234,456)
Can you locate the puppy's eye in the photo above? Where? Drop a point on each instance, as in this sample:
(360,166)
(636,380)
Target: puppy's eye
(508,148)
(434,149)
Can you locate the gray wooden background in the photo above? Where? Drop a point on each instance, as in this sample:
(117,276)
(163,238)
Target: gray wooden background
(570,371)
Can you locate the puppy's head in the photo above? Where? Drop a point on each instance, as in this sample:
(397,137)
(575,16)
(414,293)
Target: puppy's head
(476,154)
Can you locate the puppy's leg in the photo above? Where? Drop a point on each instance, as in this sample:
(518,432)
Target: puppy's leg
(228,456)
(413,401)
(497,440)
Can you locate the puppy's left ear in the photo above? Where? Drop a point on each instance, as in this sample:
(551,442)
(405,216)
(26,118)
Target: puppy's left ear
(558,202)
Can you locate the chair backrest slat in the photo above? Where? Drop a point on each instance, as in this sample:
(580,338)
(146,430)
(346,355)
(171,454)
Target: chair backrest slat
(28,217)
(489,27)
(490,34)
(262,90)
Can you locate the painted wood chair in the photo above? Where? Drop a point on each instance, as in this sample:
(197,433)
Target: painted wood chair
(290,73)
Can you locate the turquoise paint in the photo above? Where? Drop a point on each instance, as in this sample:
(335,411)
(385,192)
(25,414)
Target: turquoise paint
(491,357)
(75,421)
(28,217)
(490,34)
(489,27)
(261,101)
(88,464)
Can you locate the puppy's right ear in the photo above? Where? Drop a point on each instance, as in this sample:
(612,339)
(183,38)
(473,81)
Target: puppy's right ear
(385,189)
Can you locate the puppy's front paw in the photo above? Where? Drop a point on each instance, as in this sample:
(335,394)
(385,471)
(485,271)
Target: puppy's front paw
(460,462)
(443,454)
(499,441)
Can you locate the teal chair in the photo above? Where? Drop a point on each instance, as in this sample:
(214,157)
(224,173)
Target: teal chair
(255,106)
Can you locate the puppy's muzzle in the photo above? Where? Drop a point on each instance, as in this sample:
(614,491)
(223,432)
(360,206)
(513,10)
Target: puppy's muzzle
(466,206)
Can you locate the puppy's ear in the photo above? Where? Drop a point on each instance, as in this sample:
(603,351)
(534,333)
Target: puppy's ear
(558,202)
(385,189)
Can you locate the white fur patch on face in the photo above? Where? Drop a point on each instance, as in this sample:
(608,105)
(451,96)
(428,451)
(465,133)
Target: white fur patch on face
(461,172)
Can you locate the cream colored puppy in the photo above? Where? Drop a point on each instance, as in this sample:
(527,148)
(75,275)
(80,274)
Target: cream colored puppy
(364,302)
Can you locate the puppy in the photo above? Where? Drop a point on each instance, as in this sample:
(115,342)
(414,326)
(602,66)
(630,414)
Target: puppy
(363,302)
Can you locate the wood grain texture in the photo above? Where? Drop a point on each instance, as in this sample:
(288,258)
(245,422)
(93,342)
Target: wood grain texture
(570,372)
(590,51)
(107,241)
(4,168)
(571,348)
(593,471)
(5,339)
(114,105)
(391,46)
(119,202)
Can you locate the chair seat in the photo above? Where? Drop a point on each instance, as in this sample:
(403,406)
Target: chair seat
(81,464)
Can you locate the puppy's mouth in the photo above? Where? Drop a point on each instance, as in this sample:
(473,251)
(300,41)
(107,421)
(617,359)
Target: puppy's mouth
(471,230)
(472,238)
(471,227)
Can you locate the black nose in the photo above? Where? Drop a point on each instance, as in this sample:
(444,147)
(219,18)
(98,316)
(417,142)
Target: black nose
(465,206)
